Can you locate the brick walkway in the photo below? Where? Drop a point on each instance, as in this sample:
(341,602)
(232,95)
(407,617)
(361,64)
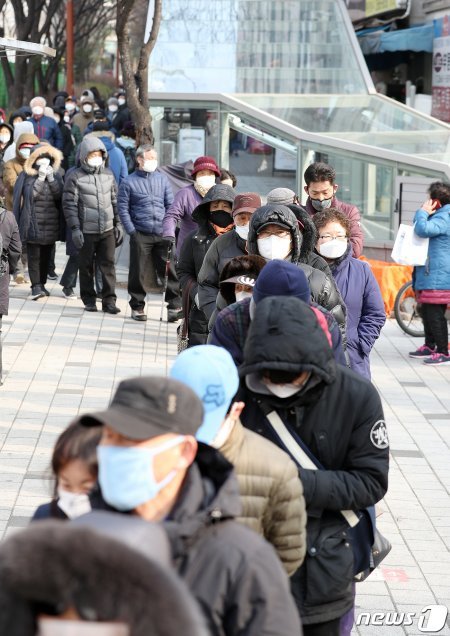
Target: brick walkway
(60,360)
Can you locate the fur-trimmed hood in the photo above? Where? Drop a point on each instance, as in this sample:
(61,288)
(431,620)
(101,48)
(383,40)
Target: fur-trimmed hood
(43,150)
(60,564)
(308,231)
(25,138)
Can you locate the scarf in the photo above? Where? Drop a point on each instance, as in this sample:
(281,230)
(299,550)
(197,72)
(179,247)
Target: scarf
(23,207)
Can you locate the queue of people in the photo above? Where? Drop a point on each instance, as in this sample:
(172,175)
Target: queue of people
(250,466)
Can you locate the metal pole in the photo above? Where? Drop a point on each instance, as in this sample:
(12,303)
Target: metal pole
(69,47)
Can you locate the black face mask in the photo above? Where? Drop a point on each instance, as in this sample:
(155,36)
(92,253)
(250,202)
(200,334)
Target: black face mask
(221,218)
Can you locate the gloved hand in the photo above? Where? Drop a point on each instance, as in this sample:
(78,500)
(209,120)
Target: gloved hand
(78,238)
(118,234)
(42,173)
(168,241)
(50,174)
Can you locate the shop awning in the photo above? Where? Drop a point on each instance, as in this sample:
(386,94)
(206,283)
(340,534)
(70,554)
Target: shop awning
(418,38)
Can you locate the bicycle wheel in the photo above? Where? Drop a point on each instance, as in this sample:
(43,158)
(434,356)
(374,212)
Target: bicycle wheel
(405,311)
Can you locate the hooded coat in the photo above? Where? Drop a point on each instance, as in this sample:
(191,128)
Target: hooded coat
(36,203)
(233,573)
(90,194)
(192,255)
(339,417)
(11,249)
(116,158)
(82,119)
(13,167)
(63,564)
(353,215)
(323,289)
(365,308)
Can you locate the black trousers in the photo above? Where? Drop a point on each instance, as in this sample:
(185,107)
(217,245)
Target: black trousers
(148,250)
(38,261)
(436,328)
(102,248)
(70,275)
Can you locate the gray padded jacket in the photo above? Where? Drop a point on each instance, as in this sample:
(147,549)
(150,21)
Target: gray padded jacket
(90,194)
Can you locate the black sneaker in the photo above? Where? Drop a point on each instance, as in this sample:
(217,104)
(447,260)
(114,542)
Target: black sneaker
(90,308)
(52,276)
(37,291)
(422,352)
(68,293)
(45,290)
(139,314)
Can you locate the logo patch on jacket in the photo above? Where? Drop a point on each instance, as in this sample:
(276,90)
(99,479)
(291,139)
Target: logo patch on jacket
(378,435)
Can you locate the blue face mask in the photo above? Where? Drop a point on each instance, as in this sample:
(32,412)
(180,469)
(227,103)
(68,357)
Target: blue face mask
(126,474)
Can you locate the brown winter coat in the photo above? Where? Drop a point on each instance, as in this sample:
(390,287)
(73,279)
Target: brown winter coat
(271,493)
(12,247)
(14,167)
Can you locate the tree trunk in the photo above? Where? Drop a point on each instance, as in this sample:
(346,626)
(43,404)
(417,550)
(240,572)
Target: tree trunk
(136,83)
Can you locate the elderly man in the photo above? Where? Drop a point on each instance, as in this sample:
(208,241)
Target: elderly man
(144,197)
(151,465)
(45,127)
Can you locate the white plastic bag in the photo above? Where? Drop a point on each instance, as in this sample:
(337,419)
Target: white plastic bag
(409,249)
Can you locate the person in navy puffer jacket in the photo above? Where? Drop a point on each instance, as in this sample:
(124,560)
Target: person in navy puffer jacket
(359,289)
(144,197)
(45,127)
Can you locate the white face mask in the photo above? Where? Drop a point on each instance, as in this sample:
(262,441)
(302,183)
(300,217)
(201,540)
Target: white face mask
(273,247)
(25,152)
(150,165)
(72,503)
(242,231)
(282,390)
(333,249)
(4,139)
(52,627)
(67,119)
(70,106)
(95,162)
(121,101)
(113,108)
(242,294)
(37,110)
(206,181)
(44,162)
(87,108)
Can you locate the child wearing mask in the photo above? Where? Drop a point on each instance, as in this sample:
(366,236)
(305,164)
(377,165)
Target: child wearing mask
(74,466)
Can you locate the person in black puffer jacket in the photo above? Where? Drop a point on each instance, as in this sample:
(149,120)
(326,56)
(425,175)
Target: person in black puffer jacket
(219,198)
(297,396)
(37,208)
(274,233)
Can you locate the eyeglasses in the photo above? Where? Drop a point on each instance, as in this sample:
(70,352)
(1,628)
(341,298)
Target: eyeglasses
(280,233)
(330,237)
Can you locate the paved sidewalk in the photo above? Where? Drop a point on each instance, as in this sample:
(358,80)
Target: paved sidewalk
(60,361)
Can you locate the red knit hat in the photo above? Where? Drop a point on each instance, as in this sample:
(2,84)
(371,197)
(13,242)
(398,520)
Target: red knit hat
(205,163)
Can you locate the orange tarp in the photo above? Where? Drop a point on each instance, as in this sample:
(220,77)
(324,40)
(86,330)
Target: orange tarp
(390,278)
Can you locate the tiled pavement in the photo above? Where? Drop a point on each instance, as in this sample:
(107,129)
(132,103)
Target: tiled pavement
(60,361)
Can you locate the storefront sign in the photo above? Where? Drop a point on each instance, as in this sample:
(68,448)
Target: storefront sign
(361,9)
(441,70)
